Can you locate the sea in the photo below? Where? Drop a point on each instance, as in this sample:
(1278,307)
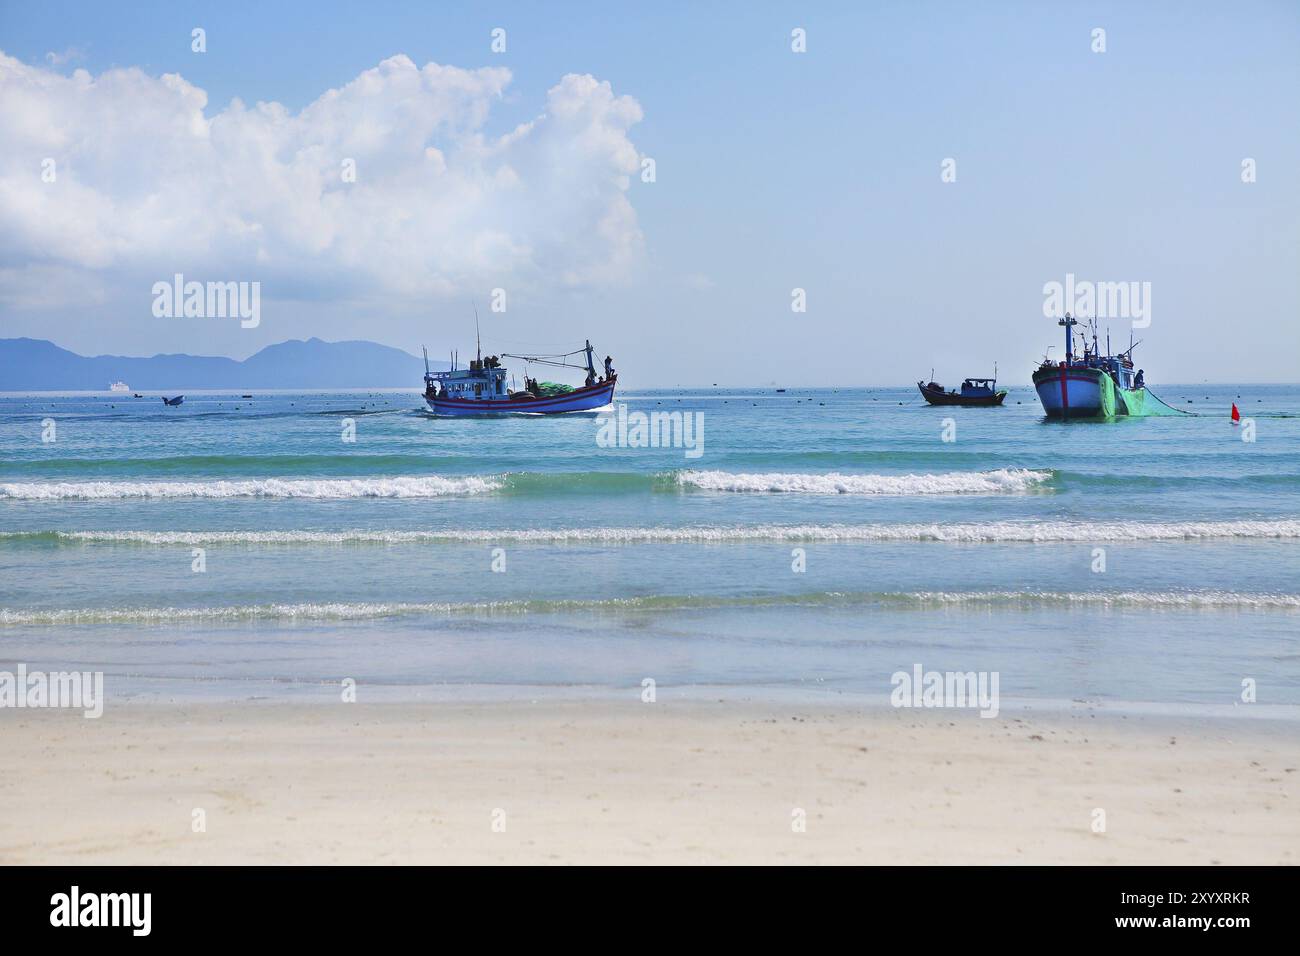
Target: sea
(811,543)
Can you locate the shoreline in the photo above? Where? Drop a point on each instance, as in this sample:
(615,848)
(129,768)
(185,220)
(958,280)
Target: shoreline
(605,781)
(812,695)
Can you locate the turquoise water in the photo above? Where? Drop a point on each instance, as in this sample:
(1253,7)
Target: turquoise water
(373,559)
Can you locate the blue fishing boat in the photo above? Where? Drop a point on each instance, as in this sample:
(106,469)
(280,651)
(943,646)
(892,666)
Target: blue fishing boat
(1096,386)
(482,388)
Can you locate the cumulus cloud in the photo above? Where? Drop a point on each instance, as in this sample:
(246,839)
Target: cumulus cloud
(147,182)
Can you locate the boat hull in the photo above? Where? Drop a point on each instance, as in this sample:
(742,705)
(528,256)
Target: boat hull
(1075,392)
(588,398)
(947,398)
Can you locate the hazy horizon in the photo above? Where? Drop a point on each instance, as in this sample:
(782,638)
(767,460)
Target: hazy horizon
(441,360)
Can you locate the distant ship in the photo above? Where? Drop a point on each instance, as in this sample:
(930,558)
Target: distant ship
(1095,386)
(481,389)
(118,387)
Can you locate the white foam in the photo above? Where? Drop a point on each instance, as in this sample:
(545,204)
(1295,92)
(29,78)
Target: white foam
(164,615)
(1173,600)
(406,487)
(919,600)
(999,482)
(1010,532)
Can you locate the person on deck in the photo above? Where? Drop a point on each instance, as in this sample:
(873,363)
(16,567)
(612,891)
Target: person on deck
(609,367)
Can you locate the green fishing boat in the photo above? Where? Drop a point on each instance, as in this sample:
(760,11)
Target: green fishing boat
(1097,386)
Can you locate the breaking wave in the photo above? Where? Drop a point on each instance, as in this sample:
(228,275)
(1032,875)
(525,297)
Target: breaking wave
(406,487)
(921,600)
(1011,532)
(1000,482)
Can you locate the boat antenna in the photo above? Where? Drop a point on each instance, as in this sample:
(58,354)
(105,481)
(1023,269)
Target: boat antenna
(478,343)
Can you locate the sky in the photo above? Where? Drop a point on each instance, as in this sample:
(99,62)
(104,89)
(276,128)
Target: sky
(922,171)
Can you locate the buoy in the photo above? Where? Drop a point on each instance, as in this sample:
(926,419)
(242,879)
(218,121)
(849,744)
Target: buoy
(1236,415)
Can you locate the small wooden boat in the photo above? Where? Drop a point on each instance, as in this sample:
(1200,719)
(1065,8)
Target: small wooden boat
(975,392)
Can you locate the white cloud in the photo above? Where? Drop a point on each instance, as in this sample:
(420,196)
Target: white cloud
(150,183)
(67,56)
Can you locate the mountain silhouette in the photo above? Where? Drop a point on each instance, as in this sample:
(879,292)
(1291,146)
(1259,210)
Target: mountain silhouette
(36,364)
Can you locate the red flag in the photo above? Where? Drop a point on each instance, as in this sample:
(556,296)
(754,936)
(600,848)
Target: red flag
(1236,415)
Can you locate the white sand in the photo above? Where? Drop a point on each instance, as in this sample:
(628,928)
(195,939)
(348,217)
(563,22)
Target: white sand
(605,781)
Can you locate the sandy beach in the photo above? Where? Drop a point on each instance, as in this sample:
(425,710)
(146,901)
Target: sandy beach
(602,781)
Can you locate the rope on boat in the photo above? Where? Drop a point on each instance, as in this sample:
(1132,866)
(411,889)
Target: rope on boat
(1180,411)
(1183,411)
(549,359)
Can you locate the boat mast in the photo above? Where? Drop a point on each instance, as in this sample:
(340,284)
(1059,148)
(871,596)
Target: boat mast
(1069,324)
(478,342)
(591,368)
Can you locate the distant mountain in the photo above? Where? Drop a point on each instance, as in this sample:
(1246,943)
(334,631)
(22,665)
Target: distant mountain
(35,364)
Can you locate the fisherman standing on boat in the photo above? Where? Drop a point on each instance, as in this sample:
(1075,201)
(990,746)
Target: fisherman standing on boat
(609,367)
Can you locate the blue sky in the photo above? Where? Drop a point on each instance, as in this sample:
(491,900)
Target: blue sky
(774,170)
